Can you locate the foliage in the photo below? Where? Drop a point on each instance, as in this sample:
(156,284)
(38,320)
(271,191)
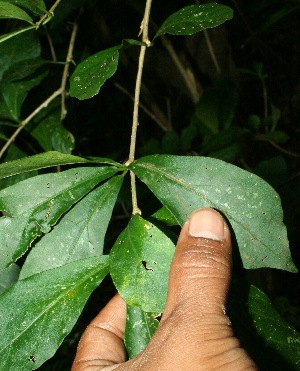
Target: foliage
(56,207)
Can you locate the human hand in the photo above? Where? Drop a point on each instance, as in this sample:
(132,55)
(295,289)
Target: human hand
(194,332)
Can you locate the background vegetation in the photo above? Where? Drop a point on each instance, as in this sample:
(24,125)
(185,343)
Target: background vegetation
(234,95)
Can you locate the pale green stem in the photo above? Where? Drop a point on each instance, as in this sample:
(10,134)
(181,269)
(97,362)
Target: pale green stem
(135,119)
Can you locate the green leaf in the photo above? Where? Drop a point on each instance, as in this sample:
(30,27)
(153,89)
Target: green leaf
(14,94)
(170,142)
(14,153)
(47,128)
(79,234)
(8,277)
(9,35)
(274,170)
(139,265)
(140,326)
(23,47)
(277,334)
(270,341)
(34,205)
(276,136)
(222,139)
(23,69)
(37,7)
(187,136)
(195,18)
(165,216)
(253,208)
(40,161)
(205,117)
(38,312)
(92,73)
(131,42)
(8,10)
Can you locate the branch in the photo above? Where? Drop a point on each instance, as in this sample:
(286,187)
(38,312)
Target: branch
(186,74)
(51,11)
(145,39)
(152,115)
(66,70)
(277,146)
(212,52)
(25,122)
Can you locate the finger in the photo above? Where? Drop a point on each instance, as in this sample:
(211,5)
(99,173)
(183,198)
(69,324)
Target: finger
(201,267)
(102,344)
(194,332)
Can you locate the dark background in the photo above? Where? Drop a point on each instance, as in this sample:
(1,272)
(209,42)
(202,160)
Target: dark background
(263,36)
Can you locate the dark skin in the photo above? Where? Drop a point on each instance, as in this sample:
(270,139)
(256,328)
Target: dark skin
(194,332)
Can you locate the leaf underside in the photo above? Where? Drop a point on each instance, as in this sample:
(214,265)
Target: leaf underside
(38,312)
(79,234)
(139,265)
(34,205)
(252,207)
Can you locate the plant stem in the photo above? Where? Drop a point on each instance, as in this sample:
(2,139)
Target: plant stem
(212,52)
(145,39)
(149,113)
(188,76)
(45,16)
(28,118)
(66,70)
(135,119)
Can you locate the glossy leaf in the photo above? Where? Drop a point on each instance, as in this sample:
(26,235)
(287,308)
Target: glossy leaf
(139,265)
(79,234)
(34,205)
(92,73)
(12,34)
(41,161)
(140,326)
(8,277)
(37,7)
(8,10)
(195,18)
(14,153)
(253,208)
(165,216)
(38,312)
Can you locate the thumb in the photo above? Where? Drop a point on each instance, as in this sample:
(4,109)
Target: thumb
(201,268)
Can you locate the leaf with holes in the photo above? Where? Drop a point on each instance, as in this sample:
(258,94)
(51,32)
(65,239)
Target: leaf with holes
(32,206)
(38,312)
(79,234)
(195,18)
(139,265)
(140,326)
(253,208)
(92,73)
